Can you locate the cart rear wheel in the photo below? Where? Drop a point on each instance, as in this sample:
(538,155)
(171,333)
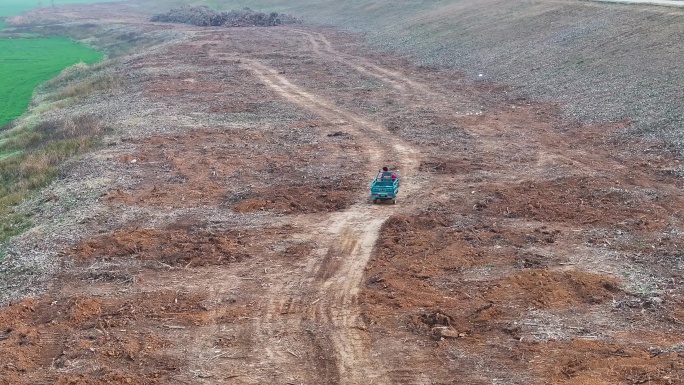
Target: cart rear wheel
(394,201)
(375,200)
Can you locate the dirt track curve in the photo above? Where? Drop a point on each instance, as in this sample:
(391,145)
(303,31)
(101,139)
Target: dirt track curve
(233,242)
(327,288)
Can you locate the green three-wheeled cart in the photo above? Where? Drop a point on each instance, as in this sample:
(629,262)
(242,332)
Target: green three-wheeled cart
(385,186)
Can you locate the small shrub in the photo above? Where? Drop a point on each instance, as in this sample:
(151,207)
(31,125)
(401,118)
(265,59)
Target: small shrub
(77,127)
(205,16)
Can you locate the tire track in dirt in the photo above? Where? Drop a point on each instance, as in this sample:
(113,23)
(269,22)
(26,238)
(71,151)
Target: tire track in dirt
(337,292)
(420,94)
(395,79)
(334,276)
(343,289)
(324,108)
(344,247)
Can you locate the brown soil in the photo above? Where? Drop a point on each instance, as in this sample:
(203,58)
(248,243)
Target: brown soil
(523,249)
(189,172)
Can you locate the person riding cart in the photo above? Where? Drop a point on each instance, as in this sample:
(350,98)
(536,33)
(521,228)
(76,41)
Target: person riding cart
(385,186)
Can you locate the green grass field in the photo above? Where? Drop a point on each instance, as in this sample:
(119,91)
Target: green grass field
(30,156)
(26,63)
(15,7)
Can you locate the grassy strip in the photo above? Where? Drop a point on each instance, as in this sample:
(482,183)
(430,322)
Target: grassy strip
(33,154)
(8,154)
(26,63)
(16,7)
(77,81)
(33,149)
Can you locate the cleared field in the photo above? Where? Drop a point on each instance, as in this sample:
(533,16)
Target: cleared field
(579,53)
(221,232)
(26,63)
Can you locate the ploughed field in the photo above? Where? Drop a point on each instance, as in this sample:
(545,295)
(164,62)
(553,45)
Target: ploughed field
(224,233)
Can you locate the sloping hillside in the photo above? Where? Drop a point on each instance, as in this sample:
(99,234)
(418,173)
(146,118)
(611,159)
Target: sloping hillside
(221,229)
(602,61)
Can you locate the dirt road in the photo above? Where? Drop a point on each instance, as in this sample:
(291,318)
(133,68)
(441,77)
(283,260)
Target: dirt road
(672,3)
(326,290)
(233,241)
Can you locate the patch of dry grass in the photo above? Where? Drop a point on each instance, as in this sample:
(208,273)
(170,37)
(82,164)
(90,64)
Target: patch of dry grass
(36,153)
(33,150)
(80,81)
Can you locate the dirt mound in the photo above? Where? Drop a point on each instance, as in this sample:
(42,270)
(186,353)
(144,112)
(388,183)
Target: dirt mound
(596,362)
(595,201)
(299,199)
(543,289)
(461,166)
(59,333)
(180,247)
(205,16)
(170,247)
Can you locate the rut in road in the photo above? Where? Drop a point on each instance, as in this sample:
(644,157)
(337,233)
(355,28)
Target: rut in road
(395,79)
(324,294)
